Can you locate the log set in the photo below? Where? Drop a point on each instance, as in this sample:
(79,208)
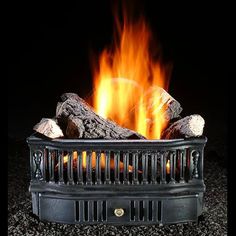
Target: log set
(77,119)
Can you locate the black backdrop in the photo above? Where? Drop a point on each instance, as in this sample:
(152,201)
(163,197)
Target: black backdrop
(49,46)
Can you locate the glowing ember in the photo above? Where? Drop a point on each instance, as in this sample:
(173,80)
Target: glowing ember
(124,75)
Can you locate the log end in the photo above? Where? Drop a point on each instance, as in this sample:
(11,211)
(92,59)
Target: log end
(189,126)
(49,128)
(196,125)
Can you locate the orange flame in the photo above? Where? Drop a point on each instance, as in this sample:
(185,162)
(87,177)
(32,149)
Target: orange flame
(124,75)
(168,167)
(93,161)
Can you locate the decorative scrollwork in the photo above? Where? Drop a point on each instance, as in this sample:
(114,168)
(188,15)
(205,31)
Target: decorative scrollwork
(195,155)
(37,160)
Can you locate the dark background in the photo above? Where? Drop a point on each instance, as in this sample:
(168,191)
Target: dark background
(49,47)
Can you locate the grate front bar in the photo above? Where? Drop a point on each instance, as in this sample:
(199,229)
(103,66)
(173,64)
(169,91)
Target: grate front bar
(87,166)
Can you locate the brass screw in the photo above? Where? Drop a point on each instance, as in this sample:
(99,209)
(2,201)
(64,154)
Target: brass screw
(119,212)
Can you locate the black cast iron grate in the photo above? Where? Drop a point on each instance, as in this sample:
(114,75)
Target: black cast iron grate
(117,181)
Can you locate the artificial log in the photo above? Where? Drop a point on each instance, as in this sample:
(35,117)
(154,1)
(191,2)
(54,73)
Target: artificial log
(159,101)
(189,126)
(156,100)
(79,120)
(49,128)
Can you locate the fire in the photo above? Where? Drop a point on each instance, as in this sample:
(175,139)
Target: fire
(125,74)
(93,161)
(168,167)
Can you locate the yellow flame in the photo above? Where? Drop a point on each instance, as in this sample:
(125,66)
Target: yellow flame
(168,167)
(124,75)
(93,161)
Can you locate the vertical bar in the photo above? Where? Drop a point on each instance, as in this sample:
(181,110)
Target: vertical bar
(60,167)
(117,167)
(155,211)
(107,168)
(137,210)
(195,155)
(85,210)
(184,165)
(79,168)
(163,168)
(154,168)
(53,165)
(145,210)
(98,168)
(88,168)
(189,164)
(70,168)
(50,165)
(126,167)
(135,168)
(44,164)
(81,211)
(145,167)
(201,157)
(172,167)
(181,169)
(99,210)
(90,211)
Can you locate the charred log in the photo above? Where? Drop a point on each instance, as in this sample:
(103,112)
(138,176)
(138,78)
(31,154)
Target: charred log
(78,120)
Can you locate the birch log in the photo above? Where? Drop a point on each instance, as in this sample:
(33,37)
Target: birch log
(189,126)
(159,101)
(49,128)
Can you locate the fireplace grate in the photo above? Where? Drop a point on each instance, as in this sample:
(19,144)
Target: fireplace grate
(89,181)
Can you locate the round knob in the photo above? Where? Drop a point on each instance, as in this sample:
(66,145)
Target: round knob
(119,212)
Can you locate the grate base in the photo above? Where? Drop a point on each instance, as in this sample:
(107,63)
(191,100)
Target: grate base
(71,209)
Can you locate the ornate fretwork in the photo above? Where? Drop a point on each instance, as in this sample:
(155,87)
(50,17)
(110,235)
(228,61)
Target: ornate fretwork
(37,160)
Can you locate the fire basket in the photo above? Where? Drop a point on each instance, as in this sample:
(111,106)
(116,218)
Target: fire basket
(126,182)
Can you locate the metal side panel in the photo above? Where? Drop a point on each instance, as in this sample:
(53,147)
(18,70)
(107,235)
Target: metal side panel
(56,209)
(180,209)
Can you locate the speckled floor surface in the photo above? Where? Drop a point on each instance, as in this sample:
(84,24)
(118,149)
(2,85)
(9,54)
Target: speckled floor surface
(21,221)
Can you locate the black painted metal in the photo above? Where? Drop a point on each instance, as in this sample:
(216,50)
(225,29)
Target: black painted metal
(84,181)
